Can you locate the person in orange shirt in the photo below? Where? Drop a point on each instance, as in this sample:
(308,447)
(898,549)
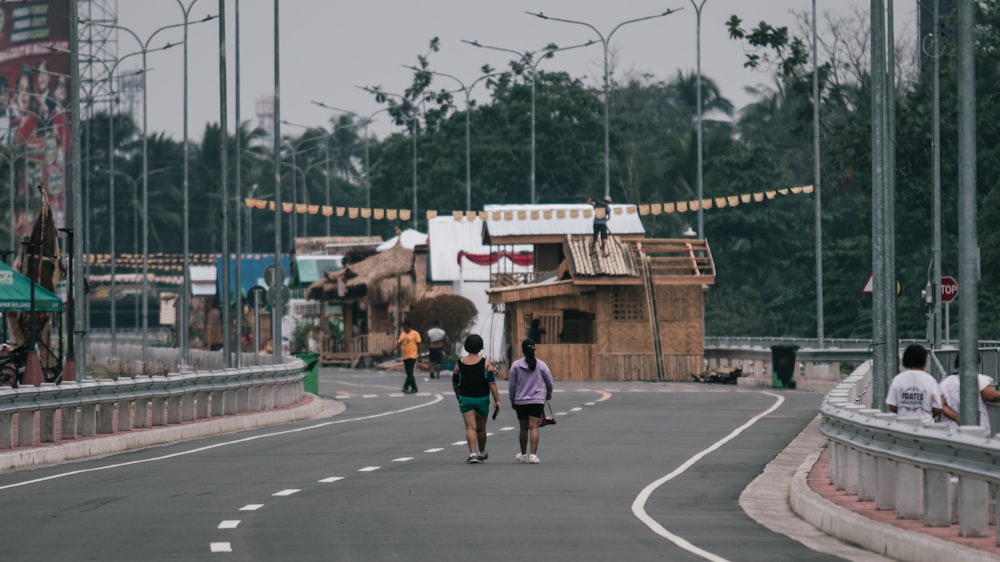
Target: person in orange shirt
(409,340)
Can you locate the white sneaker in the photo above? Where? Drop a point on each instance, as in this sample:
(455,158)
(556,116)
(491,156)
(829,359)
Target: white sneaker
(532,459)
(522,458)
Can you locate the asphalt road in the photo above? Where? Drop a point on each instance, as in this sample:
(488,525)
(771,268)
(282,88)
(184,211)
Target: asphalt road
(632,471)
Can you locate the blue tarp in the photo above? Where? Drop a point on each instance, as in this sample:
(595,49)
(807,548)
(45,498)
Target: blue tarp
(252,270)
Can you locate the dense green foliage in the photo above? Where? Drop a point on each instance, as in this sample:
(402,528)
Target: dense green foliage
(764,252)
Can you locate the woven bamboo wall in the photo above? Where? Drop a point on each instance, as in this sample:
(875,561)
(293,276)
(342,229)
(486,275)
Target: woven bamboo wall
(642,367)
(568,361)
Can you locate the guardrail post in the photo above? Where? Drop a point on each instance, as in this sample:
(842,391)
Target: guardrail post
(187,406)
(203,404)
(68,422)
(937,498)
(143,393)
(885,475)
(867,471)
(973,498)
(909,484)
(47,414)
(158,402)
(106,411)
(6,430)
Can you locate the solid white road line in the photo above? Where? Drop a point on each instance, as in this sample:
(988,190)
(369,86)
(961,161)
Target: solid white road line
(437,398)
(639,505)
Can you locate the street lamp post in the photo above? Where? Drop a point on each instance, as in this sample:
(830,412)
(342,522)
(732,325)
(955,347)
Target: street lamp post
(607,99)
(144,49)
(701,219)
(528,58)
(365,121)
(413,133)
(467,90)
(186,283)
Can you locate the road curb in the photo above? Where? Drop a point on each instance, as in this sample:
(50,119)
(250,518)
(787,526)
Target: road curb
(99,446)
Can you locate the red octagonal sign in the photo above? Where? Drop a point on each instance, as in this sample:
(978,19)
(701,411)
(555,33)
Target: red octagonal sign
(949,289)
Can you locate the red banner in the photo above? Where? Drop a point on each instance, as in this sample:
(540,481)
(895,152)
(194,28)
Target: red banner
(523,259)
(35,102)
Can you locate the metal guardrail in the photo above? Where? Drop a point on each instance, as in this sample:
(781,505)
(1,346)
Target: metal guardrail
(889,460)
(93,407)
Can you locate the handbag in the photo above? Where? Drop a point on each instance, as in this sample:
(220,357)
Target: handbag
(547,419)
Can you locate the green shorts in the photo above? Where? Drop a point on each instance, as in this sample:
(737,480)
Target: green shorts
(481,404)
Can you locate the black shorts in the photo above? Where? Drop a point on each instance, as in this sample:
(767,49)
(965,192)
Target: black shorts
(601,229)
(435,354)
(524,411)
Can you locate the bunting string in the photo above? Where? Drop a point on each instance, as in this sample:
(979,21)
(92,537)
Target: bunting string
(643,209)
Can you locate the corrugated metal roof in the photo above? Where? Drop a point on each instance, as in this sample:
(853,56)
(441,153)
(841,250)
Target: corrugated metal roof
(448,237)
(557,219)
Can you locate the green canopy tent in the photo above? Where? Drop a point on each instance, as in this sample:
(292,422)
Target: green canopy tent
(15,293)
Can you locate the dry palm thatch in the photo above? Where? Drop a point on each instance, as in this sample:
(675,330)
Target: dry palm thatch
(342,244)
(383,278)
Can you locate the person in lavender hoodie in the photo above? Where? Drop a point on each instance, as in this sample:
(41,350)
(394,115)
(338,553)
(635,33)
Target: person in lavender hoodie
(529,386)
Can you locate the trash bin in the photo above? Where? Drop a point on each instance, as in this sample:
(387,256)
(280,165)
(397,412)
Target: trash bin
(783,365)
(311,382)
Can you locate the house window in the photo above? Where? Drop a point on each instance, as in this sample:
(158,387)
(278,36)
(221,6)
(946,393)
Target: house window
(628,304)
(577,327)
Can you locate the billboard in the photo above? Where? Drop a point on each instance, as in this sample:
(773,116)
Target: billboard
(35,104)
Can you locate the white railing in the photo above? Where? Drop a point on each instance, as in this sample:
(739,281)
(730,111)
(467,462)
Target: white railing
(904,465)
(51,412)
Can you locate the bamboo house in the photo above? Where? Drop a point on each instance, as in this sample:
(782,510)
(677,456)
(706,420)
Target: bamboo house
(636,313)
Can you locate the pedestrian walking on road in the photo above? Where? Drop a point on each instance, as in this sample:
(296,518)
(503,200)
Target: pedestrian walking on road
(913,392)
(409,340)
(529,387)
(435,348)
(474,382)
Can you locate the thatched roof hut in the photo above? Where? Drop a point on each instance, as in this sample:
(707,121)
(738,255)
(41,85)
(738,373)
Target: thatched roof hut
(353,248)
(382,278)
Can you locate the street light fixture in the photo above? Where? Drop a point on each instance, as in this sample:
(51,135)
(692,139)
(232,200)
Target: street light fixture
(607,100)
(528,58)
(365,121)
(144,49)
(467,90)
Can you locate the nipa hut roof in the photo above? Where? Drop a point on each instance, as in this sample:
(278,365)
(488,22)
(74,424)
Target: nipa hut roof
(382,277)
(337,244)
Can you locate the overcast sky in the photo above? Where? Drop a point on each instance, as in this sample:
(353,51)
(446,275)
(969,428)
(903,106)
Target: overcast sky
(327,48)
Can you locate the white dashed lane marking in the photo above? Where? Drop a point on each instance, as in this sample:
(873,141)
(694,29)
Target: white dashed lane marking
(229,524)
(252,507)
(220,547)
(331,479)
(434,450)
(287,492)
(402,459)
(369,469)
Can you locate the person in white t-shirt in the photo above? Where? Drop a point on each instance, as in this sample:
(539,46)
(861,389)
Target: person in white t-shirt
(913,392)
(951,398)
(435,346)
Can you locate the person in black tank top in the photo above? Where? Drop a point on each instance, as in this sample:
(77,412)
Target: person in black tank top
(474,382)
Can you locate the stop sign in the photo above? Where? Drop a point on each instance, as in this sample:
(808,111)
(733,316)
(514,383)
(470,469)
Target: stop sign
(949,289)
